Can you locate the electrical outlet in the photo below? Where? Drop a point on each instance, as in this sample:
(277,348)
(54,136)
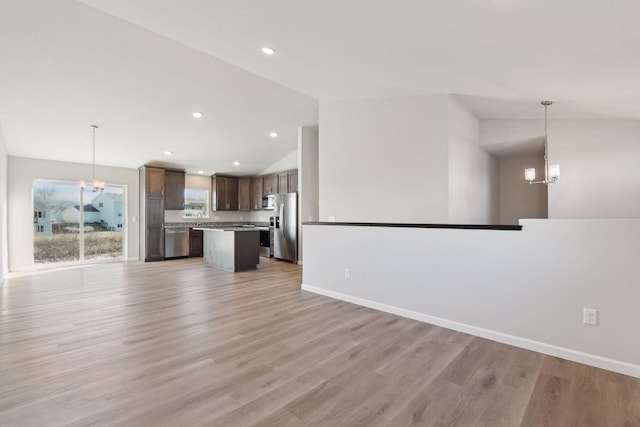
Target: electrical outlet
(347,273)
(590,316)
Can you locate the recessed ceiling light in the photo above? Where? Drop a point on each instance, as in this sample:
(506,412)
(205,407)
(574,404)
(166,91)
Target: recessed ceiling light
(168,153)
(200,172)
(236,163)
(273,134)
(197,114)
(268,50)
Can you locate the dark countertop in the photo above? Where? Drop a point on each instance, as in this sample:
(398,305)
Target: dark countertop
(234,229)
(408,225)
(212,224)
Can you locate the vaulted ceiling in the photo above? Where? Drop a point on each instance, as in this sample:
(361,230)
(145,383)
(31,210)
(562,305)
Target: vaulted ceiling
(138,68)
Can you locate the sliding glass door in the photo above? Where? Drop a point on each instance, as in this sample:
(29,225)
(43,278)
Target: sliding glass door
(56,235)
(75,224)
(103,223)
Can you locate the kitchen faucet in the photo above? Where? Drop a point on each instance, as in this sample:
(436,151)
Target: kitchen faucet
(198,218)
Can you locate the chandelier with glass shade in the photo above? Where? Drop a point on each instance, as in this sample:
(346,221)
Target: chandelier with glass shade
(551,172)
(96,184)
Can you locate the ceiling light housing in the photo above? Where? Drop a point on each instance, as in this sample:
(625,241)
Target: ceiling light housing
(200,172)
(236,163)
(273,134)
(197,114)
(167,152)
(268,50)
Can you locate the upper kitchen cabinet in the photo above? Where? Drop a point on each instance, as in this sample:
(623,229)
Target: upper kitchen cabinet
(288,181)
(256,193)
(283,183)
(154,181)
(225,193)
(293,181)
(244,194)
(174,189)
(270,184)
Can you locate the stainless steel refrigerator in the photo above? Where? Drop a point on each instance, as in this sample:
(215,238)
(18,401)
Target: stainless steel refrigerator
(285,232)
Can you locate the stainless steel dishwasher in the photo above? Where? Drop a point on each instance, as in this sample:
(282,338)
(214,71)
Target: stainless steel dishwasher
(176,242)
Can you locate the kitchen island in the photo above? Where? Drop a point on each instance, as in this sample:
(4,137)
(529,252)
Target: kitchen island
(231,249)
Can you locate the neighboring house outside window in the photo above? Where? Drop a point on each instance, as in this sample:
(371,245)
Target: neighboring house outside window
(110,207)
(41,221)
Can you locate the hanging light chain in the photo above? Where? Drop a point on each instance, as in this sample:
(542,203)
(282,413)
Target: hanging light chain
(551,173)
(97,185)
(94,127)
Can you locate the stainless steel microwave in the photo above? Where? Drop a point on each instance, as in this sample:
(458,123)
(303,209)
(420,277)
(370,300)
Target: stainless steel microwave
(268,202)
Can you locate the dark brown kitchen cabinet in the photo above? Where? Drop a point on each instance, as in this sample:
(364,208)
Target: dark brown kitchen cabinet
(174,190)
(153,213)
(244,194)
(196,246)
(225,193)
(256,193)
(288,181)
(154,227)
(270,184)
(293,181)
(154,181)
(267,186)
(283,183)
(232,194)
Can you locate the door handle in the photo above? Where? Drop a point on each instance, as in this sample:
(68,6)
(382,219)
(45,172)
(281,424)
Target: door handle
(282,220)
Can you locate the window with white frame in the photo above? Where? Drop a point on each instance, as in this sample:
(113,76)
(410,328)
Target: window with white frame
(196,203)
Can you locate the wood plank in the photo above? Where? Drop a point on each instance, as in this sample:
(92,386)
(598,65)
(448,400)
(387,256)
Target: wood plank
(178,343)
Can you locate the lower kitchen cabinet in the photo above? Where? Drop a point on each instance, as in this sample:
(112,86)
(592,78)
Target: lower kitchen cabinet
(154,228)
(195,243)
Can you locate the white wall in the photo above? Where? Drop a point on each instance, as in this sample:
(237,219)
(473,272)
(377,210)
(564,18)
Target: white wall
(307,180)
(384,159)
(286,163)
(4,256)
(519,199)
(511,137)
(22,172)
(526,288)
(599,165)
(598,161)
(473,173)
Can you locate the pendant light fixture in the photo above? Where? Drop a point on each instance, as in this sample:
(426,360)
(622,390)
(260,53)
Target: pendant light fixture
(551,172)
(97,184)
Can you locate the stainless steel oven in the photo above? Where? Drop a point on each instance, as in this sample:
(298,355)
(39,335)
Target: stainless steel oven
(265,241)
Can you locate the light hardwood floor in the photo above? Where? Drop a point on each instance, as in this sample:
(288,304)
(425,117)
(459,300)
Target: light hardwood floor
(179,344)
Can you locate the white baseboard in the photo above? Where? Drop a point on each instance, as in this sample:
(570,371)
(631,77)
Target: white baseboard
(133,258)
(552,350)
